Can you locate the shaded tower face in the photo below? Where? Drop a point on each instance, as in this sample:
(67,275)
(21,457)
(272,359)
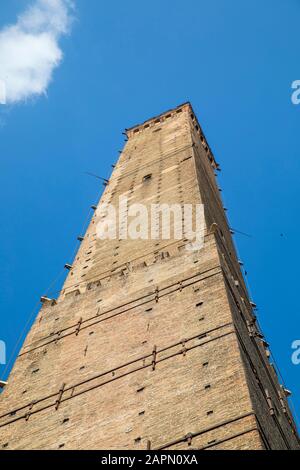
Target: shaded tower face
(152,342)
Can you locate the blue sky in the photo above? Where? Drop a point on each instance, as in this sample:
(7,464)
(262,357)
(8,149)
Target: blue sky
(123,63)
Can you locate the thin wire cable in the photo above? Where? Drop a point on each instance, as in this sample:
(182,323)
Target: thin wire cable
(35,310)
(283,383)
(77,245)
(33,313)
(246,279)
(20,338)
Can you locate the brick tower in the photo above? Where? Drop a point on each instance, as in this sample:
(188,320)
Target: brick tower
(150,345)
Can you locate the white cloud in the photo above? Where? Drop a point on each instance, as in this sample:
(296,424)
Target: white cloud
(29,49)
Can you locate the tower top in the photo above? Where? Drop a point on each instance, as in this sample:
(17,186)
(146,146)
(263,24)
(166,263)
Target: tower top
(165,116)
(159,118)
